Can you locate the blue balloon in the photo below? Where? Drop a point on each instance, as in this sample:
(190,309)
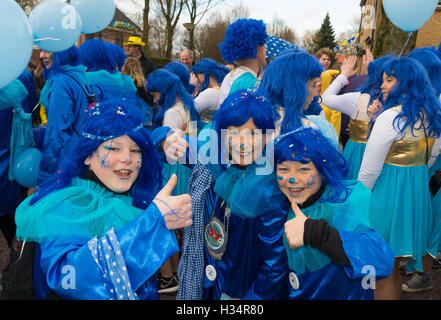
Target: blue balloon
(409,15)
(16,41)
(27,167)
(56,25)
(95,14)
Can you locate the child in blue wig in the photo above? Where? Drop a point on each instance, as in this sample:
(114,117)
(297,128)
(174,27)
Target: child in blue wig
(356,106)
(234,249)
(102,211)
(327,252)
(290,82)
(396,157)
(182,72)
(209,77)
(243,46)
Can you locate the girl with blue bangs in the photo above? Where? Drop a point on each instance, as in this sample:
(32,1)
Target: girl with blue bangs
(234,249)
(182,72)
(395,158)
(333,252)
(65,101)
(102,215)
(243,46)
(356,105)
(291,82)
(209,77)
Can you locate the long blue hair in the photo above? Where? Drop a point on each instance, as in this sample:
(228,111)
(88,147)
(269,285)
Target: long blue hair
(182,72)
(432,63)
(372,86)
(284,84)
(208,67)
(415,93)
(108,120)
(170,87)
(237,109)
(118,54)
(95,55)
(306,145)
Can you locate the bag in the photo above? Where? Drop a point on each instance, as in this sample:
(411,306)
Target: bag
(435,182)
(17,277)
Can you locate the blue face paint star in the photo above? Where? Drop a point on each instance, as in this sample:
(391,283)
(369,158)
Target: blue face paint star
(292,180)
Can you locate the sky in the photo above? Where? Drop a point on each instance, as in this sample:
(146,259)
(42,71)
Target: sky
(301,15)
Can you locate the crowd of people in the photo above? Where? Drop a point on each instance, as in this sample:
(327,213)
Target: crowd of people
(270,177)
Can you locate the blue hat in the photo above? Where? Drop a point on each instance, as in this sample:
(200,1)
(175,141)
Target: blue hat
(276,46)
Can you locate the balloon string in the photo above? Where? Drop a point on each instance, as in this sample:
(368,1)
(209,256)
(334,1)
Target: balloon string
(407,41)
(47,38)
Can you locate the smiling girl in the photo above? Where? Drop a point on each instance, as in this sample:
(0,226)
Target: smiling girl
(328,238)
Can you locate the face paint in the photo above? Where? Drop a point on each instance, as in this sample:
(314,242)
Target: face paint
(311,181)
(280,178)
(292,180)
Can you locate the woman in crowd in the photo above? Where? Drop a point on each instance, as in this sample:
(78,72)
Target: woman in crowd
(395,158)
(209,77)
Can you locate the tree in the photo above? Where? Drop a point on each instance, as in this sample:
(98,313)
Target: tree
(325,36)
(278,28)
(197,10)
(209,35)
(171,11)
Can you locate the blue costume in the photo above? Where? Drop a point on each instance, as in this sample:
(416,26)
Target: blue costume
(11,96)
(253,262)
(340,250)
(93,243)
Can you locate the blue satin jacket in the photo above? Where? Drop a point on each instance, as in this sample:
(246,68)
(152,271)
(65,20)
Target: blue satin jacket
(254,265)
(120,265)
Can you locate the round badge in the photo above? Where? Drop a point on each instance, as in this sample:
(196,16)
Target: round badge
(215,238)
(294,281)
(210,272)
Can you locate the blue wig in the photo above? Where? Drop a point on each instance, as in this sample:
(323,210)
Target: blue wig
(182,72)
(170,87)
(69,57)
(106,121)
(306,145)
(96,56)
(118,54)
(372,86)
(284,84)
(242,39)
(432,63)
(415,93)
(238,108)
(209,67)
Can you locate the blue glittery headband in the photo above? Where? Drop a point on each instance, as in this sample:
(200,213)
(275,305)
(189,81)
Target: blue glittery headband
(94,137)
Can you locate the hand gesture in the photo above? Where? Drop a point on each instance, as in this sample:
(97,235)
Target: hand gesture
(176,210)
(295,227)
(367,58)
(348,67)
(374,109)
(175,146)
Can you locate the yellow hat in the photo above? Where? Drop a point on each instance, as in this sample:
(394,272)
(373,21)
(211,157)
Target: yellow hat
(134,41)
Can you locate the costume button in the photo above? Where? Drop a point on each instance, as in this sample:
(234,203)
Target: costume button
(294,281)
(210,272)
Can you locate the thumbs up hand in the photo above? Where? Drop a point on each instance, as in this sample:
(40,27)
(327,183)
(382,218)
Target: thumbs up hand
(175,146)
(176,210)
(295,227)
